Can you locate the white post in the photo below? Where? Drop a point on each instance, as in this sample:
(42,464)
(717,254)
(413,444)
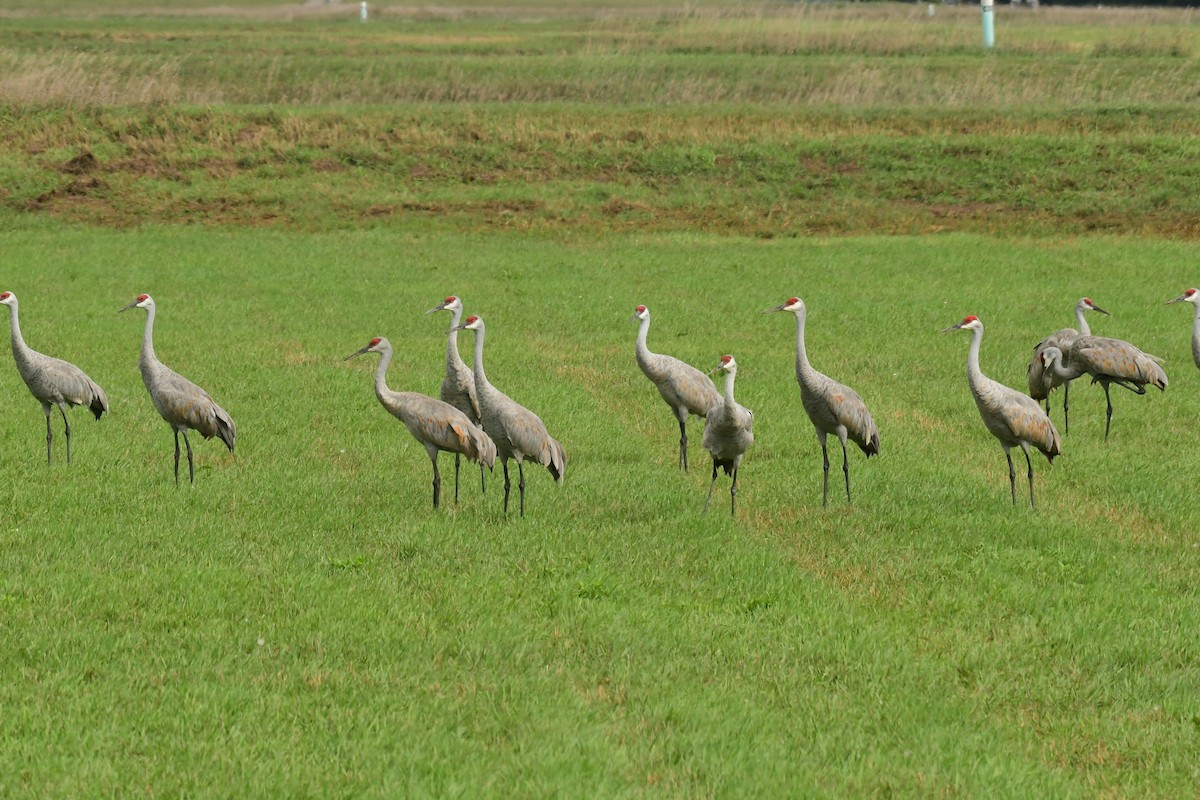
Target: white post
(989,24)
(362,11)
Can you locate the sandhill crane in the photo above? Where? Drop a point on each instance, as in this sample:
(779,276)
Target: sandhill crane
(1010,416)
(434,423)
(183,404)
(1192,296)
(458,387)
(52,381)
(1109,361)
(728,433)
(832,407)
(685,389)
(1042,382)
(518,432)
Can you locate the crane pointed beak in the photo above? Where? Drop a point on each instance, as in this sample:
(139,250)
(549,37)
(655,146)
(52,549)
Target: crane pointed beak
(1176,300)
(634,319)
(436,308)
(776,308)
(952,328)
(457,328)
(1101,310)
(357,353)
(126,308)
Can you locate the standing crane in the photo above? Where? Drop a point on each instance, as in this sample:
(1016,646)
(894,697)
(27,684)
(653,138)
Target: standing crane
(436,424)
(1110,361)
(832,407)
(685,389)
(183,404)
(1010,416)
(458,387)
(1041,382)
(1191,296)
(52,381)
(518,432)
(728,433)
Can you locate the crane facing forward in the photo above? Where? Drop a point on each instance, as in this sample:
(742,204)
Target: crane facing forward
(183,404)
(1013,418)
(458,387)
(685,389)
(1110,361)
(52,381)
(832,407)
(436,424)
(1041,382)
(728,433)
(518,432)
(1192,296)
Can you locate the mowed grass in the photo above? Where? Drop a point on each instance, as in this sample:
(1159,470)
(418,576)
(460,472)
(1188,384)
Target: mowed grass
(300,622)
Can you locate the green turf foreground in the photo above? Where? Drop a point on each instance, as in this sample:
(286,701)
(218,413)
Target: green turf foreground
(300,622)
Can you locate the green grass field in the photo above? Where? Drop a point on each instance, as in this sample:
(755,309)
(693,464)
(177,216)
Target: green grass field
(300,622)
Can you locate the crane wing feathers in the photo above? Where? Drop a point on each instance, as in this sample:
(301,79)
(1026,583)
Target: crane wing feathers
(181,402)
(1102,357)
(437,422)
(680,383)
(1025,421)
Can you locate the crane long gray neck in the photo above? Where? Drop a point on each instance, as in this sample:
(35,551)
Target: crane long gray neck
(18,342)
(1195,334)
(729,376)
(1084,328)
(381,388)
(148,356)
(975,375)
(1061,371)
(643,351)
(452,356)
(480,375)
(803,369)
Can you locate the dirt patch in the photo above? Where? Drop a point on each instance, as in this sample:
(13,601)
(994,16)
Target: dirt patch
(83,163)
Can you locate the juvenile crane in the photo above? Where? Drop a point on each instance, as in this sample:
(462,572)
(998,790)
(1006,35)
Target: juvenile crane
(52,381)
(436,424)
(832,407)
(458,387)
(1042,382)
(1192,296)
(1010,416)
(1111,361)
(685,389)
(518,432)
(728,433)
(183,404)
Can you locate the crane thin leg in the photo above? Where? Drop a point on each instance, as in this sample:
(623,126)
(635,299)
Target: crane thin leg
(683,445)
(176,457)
(49,436)
(733,495)
(1012,476)
(710,486)
(482,479)
(846,470)
(507,485)
(521,484)
(67,428)
(825,482)
(1030,465)
(191,467)
(457,459)
(1107,412)
(1066,418)
(437,480)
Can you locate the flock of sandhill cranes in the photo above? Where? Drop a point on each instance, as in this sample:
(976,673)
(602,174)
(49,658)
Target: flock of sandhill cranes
(475,419)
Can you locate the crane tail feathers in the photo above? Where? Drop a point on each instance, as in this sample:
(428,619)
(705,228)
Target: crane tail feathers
(555,459)
(226,430)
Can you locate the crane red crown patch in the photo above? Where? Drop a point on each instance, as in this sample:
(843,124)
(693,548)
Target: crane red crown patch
(374,341)
(1087,301)
(793,300)
(5,296)
(726,359)
(1188,293)
(971,318)
(142,297)
(471,319)
(450,299)
(640,309)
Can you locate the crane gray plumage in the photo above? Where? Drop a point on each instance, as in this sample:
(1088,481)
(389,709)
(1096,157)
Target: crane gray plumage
(1041,381)
(52,381)
(832,407)
(1013,418)
(1110,361)
(436,424)
(458,387)
(518,432)
(728,433)
(1192,296)
(687,390)
(182,404)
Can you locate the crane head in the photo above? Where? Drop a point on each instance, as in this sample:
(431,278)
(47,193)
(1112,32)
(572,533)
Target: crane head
(8,298)
(640,313)
(793,304)
(376,345)
(970,322)
(471,323)
(451,303)
(1190,296)
(726,364)
(1087,305)
(141,301)
(1050,355)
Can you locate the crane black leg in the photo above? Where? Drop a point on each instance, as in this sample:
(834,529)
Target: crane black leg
(710,486)
(437,481)
(49,436)
(1107,412)
(825,482)
(507,484)
(1066,418)
(67,429)
(683,445)
(521,484)
(1030,465)
(1012,477)
(457,459)
(191,467)
(176,457)
(846,470)
(733,495)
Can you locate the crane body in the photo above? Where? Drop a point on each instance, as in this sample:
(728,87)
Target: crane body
(728,433)
(458,386)
(1192,296)
(1042,382)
